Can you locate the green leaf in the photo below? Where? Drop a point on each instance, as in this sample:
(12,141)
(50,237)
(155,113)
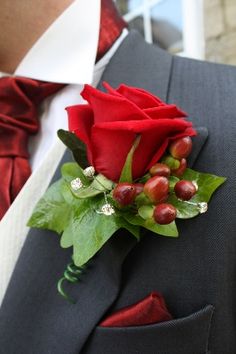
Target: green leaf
(142,199)
(126,174)
(67,237)
(99,185)
(91,230)
(102,183)
(133,229)
(52,212)
(77,147)
(87,192)
(72,170)
(149,224)
(146,211)
(172,182)
(207,184)
(184,210)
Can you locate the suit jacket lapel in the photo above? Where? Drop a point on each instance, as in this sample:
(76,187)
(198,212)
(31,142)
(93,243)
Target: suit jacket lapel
(137,63)
(33,316)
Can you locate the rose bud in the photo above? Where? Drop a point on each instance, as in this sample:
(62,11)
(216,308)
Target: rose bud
(180,171)
(124,193)
(185,190)
(157,189)
(181,148)
(164,213)
(160,169)
(138,188)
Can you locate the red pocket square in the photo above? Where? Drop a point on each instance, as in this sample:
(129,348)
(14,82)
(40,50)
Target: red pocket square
(152,309)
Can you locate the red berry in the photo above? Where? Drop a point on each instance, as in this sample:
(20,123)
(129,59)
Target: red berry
(180,171)
(164,213)
(138,188)
(160,169)
(185,190)
(181,148)
(124,193)
(157,189)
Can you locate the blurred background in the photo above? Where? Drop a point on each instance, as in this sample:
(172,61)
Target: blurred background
(201,29)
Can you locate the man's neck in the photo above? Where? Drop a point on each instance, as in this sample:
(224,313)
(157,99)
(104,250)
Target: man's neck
(22,23)
(17,37)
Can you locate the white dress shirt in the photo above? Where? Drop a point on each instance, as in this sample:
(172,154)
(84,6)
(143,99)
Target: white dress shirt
(60,55)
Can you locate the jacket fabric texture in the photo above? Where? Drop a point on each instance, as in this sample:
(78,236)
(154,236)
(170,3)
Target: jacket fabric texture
(195,272)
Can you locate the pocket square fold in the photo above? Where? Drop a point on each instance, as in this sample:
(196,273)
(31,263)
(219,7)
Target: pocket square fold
(151,309)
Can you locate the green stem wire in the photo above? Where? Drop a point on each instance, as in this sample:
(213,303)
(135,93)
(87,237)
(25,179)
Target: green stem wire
(71,275)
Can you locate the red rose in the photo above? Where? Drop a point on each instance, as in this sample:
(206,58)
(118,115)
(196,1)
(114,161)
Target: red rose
(110,122)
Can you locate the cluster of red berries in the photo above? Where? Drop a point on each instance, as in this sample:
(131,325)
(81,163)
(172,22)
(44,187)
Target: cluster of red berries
(157,187)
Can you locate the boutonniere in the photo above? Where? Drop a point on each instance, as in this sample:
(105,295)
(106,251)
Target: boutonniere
(130,171)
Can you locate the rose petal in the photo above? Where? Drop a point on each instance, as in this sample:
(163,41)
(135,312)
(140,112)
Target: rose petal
(141,98)
(168,111)
(117,108)
(111,143)
(109,150)
(80,121)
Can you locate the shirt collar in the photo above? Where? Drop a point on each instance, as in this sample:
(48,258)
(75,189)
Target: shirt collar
(66,52)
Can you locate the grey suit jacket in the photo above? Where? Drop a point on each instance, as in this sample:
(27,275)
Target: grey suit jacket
(195,273)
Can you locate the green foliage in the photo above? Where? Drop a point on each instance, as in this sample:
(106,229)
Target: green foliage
(149,224)
(77,216)
(207,184)
(126,174)
(79,221)
(77,147)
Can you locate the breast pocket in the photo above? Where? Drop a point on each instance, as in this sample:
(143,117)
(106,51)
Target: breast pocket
(188,335)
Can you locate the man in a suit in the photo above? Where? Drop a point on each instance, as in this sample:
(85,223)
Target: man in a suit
(195,273)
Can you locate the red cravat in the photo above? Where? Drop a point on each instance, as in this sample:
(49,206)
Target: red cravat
(19,99)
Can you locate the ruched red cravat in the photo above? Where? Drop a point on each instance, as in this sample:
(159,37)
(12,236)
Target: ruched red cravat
(19,101)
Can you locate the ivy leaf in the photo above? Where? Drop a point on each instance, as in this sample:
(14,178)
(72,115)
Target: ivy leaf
(126,174)
(149,224)
(72,170)
(91,230)
(77,147)
(184,210)
(67,237)
(133,229)
(207,184)
(52,211)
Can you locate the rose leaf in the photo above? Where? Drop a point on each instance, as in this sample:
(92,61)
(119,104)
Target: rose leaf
(77,147)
